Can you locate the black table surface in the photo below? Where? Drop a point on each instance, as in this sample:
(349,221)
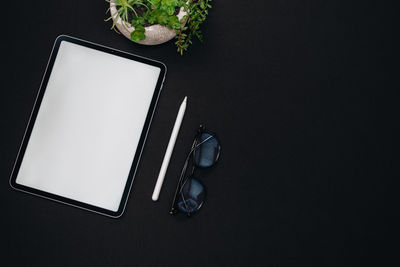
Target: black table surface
(301,94)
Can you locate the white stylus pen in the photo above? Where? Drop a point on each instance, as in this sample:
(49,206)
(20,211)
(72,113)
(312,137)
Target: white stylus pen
(170,148)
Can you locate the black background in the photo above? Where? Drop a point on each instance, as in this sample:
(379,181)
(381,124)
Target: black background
(302,97)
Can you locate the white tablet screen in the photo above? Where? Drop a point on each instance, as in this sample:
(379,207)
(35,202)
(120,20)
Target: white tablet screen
(88,126)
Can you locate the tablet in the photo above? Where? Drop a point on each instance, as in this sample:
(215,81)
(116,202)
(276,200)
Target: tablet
(88,126)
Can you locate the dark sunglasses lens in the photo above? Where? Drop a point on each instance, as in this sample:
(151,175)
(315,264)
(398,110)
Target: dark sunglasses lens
(192,196)
(206,154)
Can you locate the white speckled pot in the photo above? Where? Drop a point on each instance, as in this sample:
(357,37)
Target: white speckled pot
(155,34)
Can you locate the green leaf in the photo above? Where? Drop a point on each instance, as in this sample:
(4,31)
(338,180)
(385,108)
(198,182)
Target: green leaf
(137,21)
(173,23)
(152,19)
(157,3)
(162,17)
(170,10)
(140,28)
(138,34)
(167,2)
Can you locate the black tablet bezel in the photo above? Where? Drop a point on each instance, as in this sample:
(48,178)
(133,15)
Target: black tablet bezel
(35,110)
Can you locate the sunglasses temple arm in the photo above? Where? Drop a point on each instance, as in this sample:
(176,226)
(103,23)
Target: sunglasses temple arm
(181,177)
(178,186)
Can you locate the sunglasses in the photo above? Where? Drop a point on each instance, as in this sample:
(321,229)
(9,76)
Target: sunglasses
(190,193)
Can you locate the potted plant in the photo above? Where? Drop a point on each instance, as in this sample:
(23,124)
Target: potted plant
(153,22)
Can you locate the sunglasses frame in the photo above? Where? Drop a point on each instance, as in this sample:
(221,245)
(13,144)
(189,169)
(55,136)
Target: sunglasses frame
(190,157)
